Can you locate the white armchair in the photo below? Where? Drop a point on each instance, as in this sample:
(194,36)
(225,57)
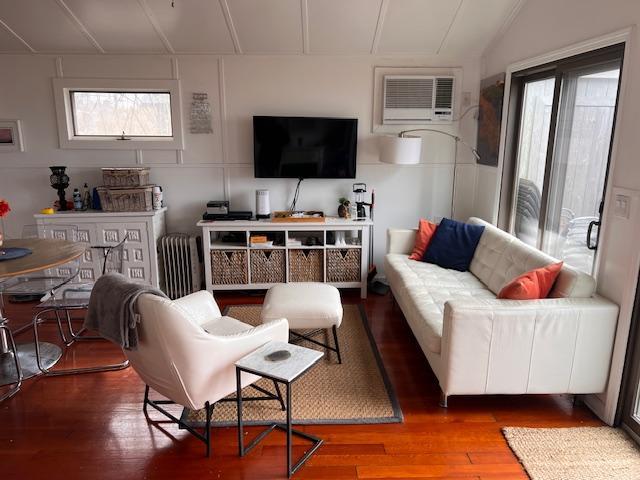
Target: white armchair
(187,350)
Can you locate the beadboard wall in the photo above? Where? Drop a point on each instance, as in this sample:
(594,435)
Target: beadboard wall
(220,165)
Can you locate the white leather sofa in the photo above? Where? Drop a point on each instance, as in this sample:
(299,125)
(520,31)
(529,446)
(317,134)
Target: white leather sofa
(477,344)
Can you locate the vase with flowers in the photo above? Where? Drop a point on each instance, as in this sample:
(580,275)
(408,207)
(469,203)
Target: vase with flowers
(4,210)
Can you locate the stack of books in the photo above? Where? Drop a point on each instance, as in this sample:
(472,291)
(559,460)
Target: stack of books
(260,241)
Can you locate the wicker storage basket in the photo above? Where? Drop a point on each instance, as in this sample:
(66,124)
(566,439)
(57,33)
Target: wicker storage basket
(125,177)
(229,267)
(267,266)
(343,265)
(306,265)
(138,199)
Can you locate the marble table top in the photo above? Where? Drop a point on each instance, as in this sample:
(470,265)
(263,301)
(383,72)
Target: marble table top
(301,360)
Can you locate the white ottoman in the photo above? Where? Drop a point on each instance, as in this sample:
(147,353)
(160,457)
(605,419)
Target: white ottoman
(306,305)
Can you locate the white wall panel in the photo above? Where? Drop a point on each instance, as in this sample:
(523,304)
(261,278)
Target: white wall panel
(342,26)
(412,26)
(44,26)
(193,26)
(268,27)
(117,25)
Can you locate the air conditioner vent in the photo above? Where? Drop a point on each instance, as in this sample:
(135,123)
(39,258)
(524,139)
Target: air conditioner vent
(444,92)
(417,99)
(409,93)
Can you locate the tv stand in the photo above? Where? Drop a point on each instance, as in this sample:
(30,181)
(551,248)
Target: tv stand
(301,252)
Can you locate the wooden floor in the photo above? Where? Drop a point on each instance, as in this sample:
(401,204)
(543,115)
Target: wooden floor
(92,426)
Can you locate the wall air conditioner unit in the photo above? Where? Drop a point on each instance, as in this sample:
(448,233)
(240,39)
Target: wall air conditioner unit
(417,99)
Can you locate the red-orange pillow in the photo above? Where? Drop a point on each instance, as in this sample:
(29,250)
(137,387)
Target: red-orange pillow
(426,229)
(532,285)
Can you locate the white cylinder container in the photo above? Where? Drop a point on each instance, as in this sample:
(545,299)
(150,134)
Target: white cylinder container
(263,208)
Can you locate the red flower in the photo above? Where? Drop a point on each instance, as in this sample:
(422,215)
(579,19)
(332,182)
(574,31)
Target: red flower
(4,208)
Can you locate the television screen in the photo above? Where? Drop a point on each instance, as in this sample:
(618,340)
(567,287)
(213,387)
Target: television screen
(304,147)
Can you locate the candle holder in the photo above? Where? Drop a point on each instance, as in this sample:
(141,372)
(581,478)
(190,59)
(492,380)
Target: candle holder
(59,181)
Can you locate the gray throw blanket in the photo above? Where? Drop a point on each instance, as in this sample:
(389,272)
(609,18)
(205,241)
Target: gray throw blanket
(112,309)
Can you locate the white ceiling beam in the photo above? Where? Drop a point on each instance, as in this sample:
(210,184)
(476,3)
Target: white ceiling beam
(232,29)
(74,19)
(304,9)
(384,5)
(156,25)
(18,37)
(453,20)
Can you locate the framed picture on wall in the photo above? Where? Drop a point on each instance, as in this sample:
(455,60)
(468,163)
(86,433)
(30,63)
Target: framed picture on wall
(490,119)
(11,136)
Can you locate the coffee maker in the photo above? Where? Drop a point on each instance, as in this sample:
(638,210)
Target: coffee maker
(359,189)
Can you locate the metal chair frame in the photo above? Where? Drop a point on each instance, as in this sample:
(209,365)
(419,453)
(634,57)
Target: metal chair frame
(206,437)
(58,306)
(12,345)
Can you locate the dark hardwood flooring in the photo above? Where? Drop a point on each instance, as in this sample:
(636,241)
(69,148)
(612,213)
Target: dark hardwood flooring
(92,425)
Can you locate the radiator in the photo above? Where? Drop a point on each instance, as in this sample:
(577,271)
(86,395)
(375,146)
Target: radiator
(179,254)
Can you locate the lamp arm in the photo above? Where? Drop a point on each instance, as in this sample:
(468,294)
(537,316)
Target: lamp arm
(456,137)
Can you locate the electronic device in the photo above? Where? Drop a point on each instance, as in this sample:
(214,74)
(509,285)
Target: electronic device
(239,215)
(304,147)
(218,207)
(359,189)
(263,207)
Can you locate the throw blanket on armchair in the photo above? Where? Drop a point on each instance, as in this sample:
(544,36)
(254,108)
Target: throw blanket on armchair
(112,309)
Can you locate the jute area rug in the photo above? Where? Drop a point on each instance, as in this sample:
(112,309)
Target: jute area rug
(583,453)
(357,391)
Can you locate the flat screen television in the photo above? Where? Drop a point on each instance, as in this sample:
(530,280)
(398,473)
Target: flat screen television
(304,147)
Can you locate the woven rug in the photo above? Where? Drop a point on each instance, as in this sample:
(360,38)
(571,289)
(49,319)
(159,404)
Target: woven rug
(357,391)
(584,453)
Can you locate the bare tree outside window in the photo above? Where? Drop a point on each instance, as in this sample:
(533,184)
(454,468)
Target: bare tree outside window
(137,114)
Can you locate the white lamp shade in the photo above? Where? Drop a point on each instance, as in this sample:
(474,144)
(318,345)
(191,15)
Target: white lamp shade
(400,150)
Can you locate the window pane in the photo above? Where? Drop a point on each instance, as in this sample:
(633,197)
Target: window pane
(136,114)
(585,127)
(532,153)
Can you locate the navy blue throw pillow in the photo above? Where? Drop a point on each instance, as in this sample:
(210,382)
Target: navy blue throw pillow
(453,245)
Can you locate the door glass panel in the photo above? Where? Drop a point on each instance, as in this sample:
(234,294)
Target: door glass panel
(532,152)
(579,168)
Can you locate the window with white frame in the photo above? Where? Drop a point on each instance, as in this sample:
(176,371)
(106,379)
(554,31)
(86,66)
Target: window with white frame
(118,114)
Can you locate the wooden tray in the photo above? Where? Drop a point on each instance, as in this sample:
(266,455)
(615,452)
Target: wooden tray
(284,216)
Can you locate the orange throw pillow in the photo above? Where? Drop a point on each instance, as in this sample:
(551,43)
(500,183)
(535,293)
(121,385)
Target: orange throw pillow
(532,285)
(426,229)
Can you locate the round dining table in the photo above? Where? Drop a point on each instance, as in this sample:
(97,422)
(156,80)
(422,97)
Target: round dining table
(45,254)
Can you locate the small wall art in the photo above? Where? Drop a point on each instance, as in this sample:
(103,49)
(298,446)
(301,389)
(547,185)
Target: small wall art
(490,119)
(11,136)
(200,121)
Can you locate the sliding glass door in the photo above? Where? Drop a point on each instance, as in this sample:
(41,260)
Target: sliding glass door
(566,121)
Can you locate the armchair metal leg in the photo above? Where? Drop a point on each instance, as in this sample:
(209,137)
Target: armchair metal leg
(68,371)
(12,351)
(444,399)
(335,341)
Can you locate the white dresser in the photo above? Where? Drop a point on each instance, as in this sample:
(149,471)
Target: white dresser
(98,228)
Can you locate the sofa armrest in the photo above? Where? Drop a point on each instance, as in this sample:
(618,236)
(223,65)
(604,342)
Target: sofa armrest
(559,345)
(400,240)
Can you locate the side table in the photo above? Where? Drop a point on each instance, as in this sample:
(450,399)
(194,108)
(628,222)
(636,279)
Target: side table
(286,371)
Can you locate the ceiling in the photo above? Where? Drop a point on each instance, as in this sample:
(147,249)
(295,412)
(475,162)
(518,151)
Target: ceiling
(344,27)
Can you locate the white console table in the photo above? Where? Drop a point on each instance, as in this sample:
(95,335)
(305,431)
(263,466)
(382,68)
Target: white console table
(143,229)
(227,247)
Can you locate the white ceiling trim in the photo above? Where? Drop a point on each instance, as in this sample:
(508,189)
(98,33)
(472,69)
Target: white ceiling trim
(232,29)
(156,26)
(508,20)
(453,20)
(72,16)
(18,37)
(379,25)
(304,10)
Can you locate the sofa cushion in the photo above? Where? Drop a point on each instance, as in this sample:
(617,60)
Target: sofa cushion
(501,257)
(532,285)
(426,229)
(453,245)
(424,288)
